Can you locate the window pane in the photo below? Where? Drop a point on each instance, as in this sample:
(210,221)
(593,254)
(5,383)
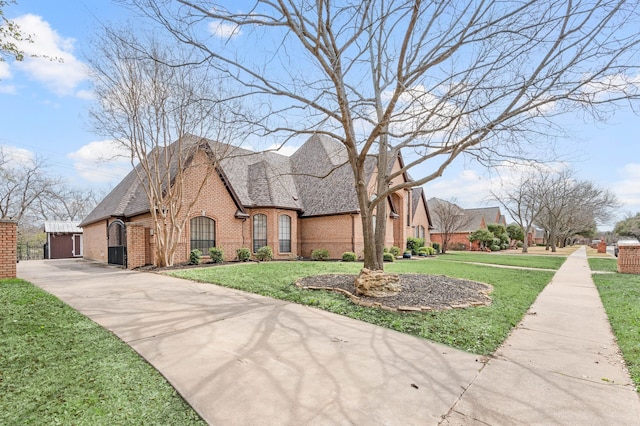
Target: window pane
(285,234)
(259,231)
(203,234)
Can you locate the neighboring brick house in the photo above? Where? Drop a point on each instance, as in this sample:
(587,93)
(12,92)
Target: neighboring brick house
(294,204)
(473,220)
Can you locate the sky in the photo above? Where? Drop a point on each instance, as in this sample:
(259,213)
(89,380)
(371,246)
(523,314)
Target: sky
(44,109)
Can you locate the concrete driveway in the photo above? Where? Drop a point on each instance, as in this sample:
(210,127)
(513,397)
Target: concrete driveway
(239,358)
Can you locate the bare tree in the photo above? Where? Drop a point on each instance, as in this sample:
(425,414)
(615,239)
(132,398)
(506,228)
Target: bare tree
(448,218)
(161,114)
(67,204)
(571,206)
(629,226)
(524,202)
(23,182)
(433,79)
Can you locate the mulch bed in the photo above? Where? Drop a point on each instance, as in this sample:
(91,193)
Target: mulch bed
(420,292)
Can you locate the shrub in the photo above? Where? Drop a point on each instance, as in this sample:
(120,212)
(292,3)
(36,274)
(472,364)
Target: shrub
(520,244)
(494,247)
(216,254)
(395,251)
(195,256)
(436,247)
(320,254)
(264,254)
(426,251)
(349,256)
(458,247)
(385,250)
(414,244)
(388,257)
(504,246)
(243,254)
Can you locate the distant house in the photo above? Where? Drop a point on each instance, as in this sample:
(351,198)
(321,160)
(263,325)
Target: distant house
(64,240)
(473,219)
(293,204)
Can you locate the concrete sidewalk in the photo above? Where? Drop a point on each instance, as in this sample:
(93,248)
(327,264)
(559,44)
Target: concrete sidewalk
(561,365)
(243,359)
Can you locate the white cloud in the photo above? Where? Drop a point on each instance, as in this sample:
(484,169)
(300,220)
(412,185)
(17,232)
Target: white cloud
(5,72)
(16,156)
(223,29)
(55,66)
(8,89)
(628,187)
(101,161)
(468,187)
(287,149)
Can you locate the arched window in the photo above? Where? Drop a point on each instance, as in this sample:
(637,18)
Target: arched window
(284,234)
(259,231)
(203,234)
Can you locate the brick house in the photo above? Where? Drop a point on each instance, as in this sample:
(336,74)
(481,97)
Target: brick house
(474,219)
(294,204)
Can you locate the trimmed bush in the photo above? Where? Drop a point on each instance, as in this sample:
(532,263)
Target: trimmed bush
(436,247)
(388,257)
(195,256)
(413,244)
(264,254)
(494,247)
(243,254)
(349,256)
(216,254)
(320,254)
(395,251)
(426,251)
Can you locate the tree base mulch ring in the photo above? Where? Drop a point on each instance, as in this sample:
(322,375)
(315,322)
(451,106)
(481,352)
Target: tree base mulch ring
(420,292)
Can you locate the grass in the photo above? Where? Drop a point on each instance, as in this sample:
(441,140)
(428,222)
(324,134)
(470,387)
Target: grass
(58,367)
(479,330)
(603,264)
(541,262)
(620,294)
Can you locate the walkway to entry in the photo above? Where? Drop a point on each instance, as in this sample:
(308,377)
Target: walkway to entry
(240,358)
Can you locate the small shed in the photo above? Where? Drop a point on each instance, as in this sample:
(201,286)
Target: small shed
(64,240)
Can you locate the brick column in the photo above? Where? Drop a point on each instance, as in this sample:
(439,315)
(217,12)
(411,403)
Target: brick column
(602,246)
(137,245)
(8,247)
(629,258)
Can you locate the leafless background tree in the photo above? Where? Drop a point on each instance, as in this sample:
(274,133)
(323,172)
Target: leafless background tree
(434,79)
(524,201)
(159,105)
(448,218)
(572,206)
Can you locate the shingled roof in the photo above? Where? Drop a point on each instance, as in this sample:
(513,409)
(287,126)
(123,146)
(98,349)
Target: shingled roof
(316,180)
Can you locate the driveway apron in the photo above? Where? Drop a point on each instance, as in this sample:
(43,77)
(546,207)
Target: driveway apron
(239,358)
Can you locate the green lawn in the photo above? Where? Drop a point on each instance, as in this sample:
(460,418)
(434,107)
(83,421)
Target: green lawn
(620,294)
(527,261)
(58,367)
(479,330)
(603,264)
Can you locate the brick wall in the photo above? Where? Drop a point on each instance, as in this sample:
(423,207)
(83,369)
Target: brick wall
(95,241)
(333,233)
(629,259)
(457,238)
(137,245)
(8,247)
